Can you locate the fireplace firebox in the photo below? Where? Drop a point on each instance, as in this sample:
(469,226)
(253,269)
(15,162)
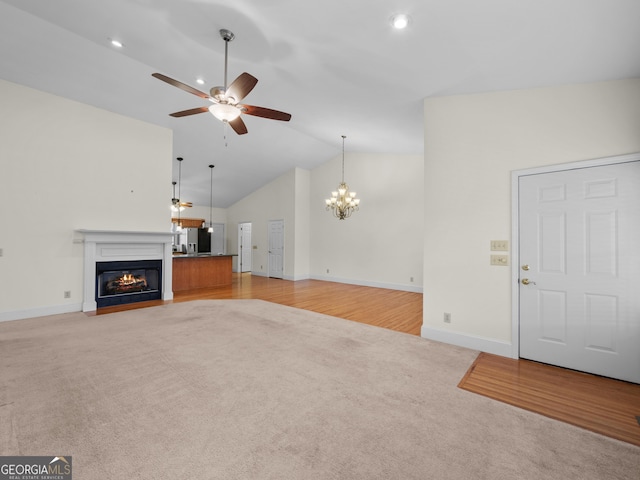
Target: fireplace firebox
(123,282)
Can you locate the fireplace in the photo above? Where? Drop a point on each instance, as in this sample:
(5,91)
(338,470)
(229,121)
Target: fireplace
(125,253)
(128,282)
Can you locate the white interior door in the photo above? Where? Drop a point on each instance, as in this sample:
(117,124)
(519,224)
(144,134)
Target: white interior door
(579,244)
(244,247)
(276,248)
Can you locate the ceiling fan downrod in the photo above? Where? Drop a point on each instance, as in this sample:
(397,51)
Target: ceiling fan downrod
(227,36)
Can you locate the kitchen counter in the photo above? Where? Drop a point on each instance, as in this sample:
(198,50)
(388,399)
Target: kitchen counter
(200,270)
(199,255)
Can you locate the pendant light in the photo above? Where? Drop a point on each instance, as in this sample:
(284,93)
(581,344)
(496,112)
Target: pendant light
(179,228)
(210,230)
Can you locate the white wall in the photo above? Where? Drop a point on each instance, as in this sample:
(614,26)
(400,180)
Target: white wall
(67,166)
(302,234)
(274,201)
(472,143)
(381,244)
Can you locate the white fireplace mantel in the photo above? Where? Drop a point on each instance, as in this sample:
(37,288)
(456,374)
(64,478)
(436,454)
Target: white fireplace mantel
(115,245)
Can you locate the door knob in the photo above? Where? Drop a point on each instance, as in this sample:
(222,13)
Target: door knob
(525,267)
(526,281)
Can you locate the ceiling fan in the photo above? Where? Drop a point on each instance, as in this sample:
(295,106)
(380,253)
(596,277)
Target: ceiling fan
(176,204)
(225,100)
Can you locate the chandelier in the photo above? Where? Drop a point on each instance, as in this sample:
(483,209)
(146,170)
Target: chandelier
(343,202)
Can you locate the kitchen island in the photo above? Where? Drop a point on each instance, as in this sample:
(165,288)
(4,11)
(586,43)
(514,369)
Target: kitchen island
(201,270)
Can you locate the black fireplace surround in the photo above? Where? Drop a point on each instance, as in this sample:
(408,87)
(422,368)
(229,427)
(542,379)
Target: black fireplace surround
(122,282)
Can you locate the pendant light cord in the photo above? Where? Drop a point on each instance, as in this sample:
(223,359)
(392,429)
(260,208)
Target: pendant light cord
(179,189)
(343,137)
(211,199)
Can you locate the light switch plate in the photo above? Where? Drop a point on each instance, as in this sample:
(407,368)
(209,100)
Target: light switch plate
(500,260)
(499,245)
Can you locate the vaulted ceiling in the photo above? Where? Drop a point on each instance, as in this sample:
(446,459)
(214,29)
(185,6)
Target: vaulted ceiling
(338,67)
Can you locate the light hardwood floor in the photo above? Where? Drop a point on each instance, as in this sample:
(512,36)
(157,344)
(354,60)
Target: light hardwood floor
(535,386)
(599,404)
(393,309)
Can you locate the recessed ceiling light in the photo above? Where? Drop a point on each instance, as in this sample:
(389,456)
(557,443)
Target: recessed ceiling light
(200,81)
(400,21)
(116,43)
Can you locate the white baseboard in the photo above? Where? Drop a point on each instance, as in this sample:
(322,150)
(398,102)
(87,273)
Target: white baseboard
(390,286)
(483,344)
(40,312)
(295,278)
(285,277)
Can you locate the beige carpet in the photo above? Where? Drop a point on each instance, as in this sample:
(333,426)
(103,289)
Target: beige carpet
(246,389)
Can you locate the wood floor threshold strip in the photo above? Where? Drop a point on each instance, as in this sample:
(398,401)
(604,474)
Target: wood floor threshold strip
(602,405)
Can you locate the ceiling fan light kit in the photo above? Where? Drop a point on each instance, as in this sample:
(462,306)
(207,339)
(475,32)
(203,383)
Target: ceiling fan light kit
(224,111)
(225,100)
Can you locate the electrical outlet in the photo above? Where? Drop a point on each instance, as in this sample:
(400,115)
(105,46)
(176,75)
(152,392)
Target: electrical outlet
(411,279)
(499,245)
(67,294)
(500,260)
(447,317)
(1,252)
(327,270)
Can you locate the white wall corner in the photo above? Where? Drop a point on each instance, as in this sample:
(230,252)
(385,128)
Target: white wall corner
(295,278)
(488,345)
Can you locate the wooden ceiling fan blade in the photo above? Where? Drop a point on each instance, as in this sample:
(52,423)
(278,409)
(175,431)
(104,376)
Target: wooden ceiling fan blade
(238,126)
(180,85)
(241,86)
(265,113)
(191,111)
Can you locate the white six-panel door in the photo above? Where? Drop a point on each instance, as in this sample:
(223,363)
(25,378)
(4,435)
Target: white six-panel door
(244,247)
(276,248)
(579,252)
